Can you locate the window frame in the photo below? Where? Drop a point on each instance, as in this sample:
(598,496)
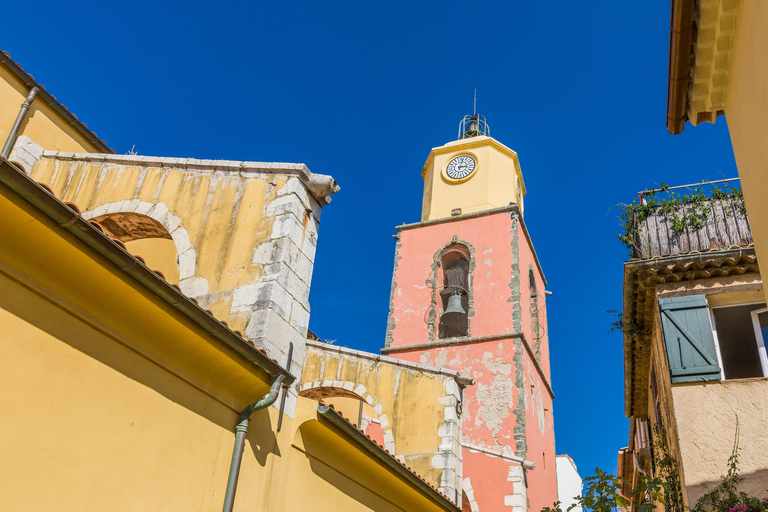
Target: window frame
(760,340)
(755,327)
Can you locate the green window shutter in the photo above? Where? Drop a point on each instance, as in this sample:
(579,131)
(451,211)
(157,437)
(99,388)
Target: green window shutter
(688,336)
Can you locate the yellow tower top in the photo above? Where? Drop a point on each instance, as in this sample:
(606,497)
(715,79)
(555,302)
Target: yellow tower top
(469,175)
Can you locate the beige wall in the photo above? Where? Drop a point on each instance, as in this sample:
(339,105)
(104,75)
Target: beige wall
(700,417)
(43,124)
(746,109)
(707,416)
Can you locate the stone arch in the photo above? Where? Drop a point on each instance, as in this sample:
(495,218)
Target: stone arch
(468,494)
(318,389)
(190,284)
(432,314)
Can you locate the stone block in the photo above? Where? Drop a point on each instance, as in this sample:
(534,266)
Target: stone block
(442,460)
(515,500)
(299,317)
(194,286)
(287,204)
(295,186)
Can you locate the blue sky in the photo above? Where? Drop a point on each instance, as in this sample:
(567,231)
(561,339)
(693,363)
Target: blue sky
(363,91)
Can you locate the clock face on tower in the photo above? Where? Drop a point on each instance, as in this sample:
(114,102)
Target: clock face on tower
(460,167)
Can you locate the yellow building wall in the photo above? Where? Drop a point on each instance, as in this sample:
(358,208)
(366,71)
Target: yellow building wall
(408,401)
(746,105)
(113,401)
(493,184)
(223,228)
(43,125)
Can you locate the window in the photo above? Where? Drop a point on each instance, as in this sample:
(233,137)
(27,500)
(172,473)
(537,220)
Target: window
(723,342)
(454,292)
(737,340)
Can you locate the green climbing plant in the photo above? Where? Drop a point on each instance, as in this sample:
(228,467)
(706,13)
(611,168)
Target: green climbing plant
(666,468)
(602,493)
(688,210)
(726,497)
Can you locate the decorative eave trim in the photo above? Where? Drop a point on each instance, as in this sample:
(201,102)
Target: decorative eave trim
(641,278)
(513,207)
(711,64)
(700,46)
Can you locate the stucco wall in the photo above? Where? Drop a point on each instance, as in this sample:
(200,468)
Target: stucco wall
(707,416)
(245,233)
(415,405)
(745,105)
(115,401)
(509,409)
(569,484)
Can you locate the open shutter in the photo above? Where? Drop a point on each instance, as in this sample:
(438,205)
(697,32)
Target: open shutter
(688,336)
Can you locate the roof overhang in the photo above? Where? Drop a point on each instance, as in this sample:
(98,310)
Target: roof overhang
(700,45)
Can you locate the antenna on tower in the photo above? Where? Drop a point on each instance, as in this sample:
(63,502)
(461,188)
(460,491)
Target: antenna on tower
(474,109)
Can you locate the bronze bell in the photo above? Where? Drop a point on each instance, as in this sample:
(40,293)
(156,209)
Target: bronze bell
(453,313)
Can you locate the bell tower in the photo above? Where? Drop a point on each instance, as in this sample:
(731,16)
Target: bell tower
(468,294)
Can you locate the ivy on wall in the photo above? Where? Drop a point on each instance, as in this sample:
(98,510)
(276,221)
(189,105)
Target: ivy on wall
(685,210)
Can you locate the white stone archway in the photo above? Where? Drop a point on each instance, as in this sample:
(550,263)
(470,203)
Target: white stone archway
(466,486)
(361,391)
(190,284)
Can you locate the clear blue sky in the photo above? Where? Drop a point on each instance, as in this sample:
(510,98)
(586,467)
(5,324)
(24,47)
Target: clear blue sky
(363,91)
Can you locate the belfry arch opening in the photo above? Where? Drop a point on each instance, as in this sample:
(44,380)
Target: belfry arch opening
(453,291)
(145,237)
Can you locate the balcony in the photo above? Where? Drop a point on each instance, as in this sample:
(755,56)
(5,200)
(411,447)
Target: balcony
(680,223)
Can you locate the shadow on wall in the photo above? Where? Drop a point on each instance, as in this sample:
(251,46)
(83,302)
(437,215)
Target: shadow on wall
(261,437)
(332,459)
(753,483)
(68,329)
(145,237)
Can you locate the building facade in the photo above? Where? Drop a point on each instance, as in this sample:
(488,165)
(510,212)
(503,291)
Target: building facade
(468,294)
(694,351)
(154,324)
(719,65)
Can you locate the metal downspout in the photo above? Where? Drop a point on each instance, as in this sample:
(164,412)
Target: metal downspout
(241,431)
(11,140)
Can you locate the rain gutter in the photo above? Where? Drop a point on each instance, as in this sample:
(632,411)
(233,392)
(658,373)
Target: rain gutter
(680,40)
(9,142)
(241,431)
(60,109)
(70,220)
(387,459)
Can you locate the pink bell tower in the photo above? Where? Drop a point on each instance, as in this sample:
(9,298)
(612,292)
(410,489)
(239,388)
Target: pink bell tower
(468,294)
